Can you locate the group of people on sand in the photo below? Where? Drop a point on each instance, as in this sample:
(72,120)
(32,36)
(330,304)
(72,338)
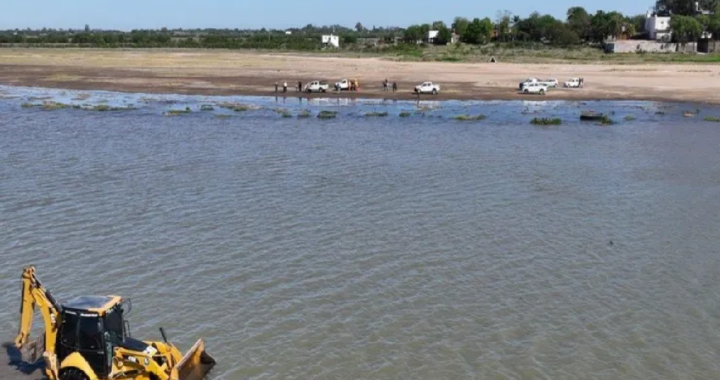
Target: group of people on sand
(354,86)
(386,84)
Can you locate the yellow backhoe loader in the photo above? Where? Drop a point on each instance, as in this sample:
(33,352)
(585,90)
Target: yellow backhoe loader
(88,338)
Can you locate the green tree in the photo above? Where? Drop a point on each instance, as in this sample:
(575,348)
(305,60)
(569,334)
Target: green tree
(359,27)
(503,25)
(685,28)
(460,25)
(638,23)
(687,7)
(579,21)
(561,35)
(413,34)
(479,31)
(444,35)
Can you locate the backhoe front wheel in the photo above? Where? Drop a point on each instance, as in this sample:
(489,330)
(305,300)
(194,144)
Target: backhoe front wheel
(72,374)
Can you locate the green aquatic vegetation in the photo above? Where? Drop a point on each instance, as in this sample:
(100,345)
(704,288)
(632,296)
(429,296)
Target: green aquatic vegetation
(286,115)
(304,114)
(207,107)
(238,107)
(376,114)
(105,108)
(546,121)
(405,114)
(327,114)
(712,118)
(629,118)
(223,116)
(606,121)
(469,117)
(177,112)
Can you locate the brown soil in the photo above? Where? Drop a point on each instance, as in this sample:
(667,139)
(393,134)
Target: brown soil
(249,73)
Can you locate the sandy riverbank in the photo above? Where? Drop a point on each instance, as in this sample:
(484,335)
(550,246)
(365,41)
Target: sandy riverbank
(250,73)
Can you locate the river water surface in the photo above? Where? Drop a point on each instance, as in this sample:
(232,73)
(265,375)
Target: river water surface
(380,248)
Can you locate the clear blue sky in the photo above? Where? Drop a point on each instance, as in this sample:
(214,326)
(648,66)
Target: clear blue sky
(132,14)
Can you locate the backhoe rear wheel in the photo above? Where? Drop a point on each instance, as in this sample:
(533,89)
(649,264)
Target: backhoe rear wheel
(72,374)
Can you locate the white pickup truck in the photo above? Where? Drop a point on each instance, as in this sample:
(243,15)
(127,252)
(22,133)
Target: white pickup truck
(317,86)
(427,88)
(573,83)
(535,88)
(548,82)
(343,85)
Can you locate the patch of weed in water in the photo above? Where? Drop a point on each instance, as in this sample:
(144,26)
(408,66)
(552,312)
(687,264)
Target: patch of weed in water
(469,117)
(207,107)
(327,115)
(546,121)
(376,114)
(177,112)
(404,114)
(304,114)
(629,118)
(712,119)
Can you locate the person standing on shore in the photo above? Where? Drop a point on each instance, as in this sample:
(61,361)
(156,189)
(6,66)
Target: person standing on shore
(394,86)
(299,86)
(284,87)
(276,87)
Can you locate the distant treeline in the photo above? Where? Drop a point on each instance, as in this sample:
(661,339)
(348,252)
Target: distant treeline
(688,23)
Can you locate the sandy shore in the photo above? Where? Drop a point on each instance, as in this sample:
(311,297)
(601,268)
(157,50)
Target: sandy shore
(249,73)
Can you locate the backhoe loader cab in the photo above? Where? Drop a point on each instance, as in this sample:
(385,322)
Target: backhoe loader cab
(88,338)
(93,326)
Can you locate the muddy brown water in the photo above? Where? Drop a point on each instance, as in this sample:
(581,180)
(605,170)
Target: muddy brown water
(383,248)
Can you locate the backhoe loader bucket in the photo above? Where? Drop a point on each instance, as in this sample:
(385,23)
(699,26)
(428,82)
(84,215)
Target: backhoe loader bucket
(196,363)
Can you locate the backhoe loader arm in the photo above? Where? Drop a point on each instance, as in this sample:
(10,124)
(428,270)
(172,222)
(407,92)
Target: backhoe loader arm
(34,294)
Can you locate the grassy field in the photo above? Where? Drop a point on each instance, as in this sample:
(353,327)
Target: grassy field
(470,54)
(476,54)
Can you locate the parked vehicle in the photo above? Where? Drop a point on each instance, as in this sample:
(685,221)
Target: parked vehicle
(427,88)
(527,81)
(343,85)
(535,88)
(573,83)
(552,82)
(317,86)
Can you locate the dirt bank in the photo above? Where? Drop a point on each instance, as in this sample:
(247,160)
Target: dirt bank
(248,73)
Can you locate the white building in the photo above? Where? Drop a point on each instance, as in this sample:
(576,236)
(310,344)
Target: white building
(657,26)
(331,40)
(288,32)
(432,35)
